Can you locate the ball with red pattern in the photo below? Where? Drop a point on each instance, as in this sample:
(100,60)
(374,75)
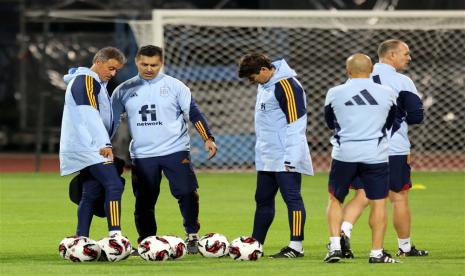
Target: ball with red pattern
(115,248)
(154,248)
(213,245)
(177,245)
(245,249)
(64,246)
(83,249)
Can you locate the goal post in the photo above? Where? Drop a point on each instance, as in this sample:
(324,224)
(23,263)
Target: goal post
(202,48)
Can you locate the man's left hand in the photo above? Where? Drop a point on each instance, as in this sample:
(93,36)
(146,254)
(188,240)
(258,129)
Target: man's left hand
(211,147)
(106,152)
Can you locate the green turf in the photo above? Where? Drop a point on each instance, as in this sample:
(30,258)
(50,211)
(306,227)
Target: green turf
(35,214)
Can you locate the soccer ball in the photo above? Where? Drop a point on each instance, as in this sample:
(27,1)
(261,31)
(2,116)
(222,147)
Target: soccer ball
(213,245)
(81,249)
(115,248)
(177,245)
(245,249)
(154,248)
(65,244)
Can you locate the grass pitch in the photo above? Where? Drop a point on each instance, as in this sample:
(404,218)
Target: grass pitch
(35,214)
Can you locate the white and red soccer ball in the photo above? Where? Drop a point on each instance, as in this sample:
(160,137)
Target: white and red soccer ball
(154,248)
(213,245)
(115,248)
(245,249)
(177,245)
(65,244)
(79,249)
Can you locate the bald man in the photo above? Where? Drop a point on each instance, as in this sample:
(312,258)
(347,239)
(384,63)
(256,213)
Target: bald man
(360,112)
(394,56)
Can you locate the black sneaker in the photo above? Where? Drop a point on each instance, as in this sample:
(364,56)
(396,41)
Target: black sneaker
(345,247)
(384,258)
(287,252)
(192,243)
(412,253)
(333,256)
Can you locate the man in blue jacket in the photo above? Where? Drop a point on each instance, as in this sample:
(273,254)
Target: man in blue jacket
(394,57)
(158,108)
(85,145)
(281,150)
(360,112)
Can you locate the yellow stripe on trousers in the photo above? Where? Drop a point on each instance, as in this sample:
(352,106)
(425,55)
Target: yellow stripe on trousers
(114,213)
(296,223)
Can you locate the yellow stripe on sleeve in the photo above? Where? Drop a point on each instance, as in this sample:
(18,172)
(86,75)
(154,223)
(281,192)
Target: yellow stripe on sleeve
(291,106)
(292,111)
(201,130)
(293,103)
(90,91)
(86,79)
(87,90)
(204,131)
(287,100)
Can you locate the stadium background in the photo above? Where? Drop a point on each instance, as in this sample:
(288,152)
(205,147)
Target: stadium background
(39,44)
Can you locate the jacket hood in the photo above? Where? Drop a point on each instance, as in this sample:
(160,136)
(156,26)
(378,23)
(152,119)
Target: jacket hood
(73,72)
(282,71)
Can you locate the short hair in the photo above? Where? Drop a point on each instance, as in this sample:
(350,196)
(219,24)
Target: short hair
(108,53)
(388,45)
(252,63)
(150,51)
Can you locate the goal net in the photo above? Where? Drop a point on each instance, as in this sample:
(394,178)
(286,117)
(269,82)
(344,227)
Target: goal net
(202,48)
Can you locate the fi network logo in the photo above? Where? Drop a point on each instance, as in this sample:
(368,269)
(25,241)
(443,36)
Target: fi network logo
(146,113)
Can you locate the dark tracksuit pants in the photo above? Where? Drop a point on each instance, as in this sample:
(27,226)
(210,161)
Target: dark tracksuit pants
(268,184)
(96,180)
(147,175)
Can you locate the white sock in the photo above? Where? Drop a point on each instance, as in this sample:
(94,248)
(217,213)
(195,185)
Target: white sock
(114,232)
(404,244)
(376,252)
(296,245)
(346,227)
(335,243)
